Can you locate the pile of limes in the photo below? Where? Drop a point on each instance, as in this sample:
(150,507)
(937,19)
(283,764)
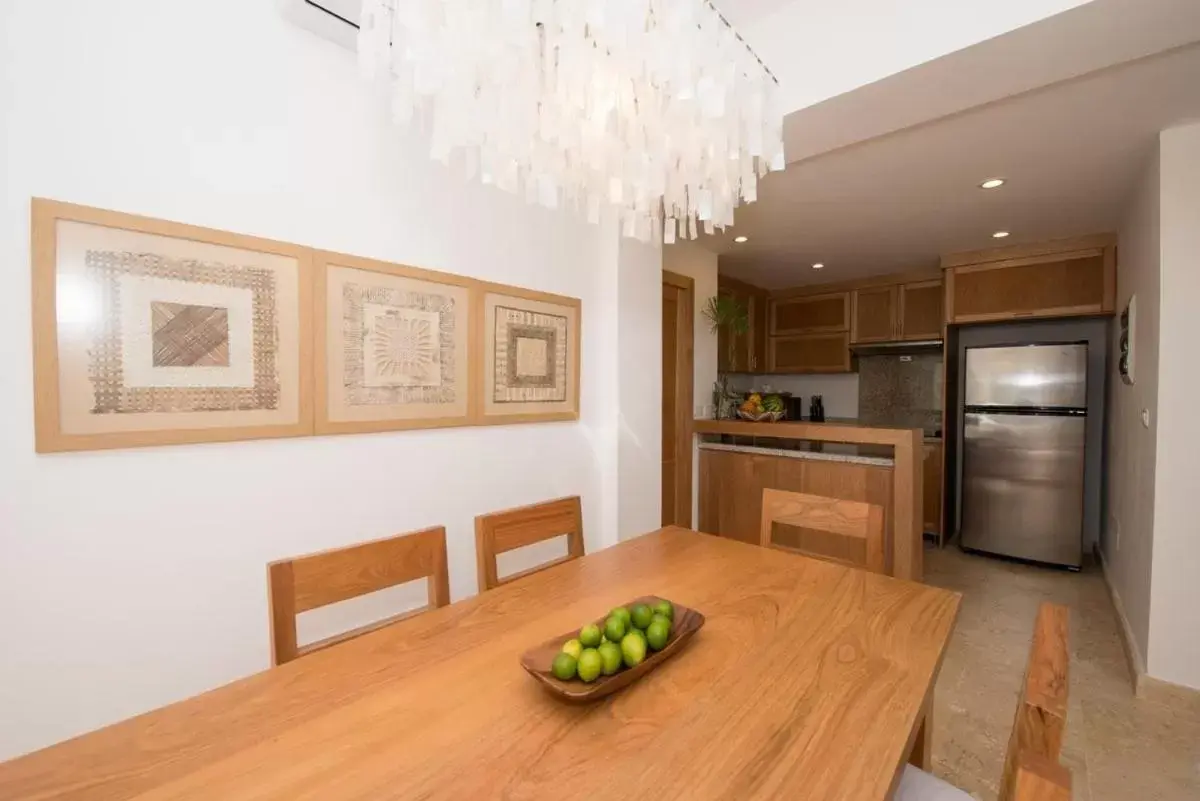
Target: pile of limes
(621,642)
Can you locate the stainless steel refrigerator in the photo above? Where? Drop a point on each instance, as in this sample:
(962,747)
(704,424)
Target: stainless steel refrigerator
(1025,411)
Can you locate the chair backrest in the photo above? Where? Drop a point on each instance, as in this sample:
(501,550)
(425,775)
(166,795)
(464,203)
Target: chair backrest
(499,532)
(1031,768)
(858,525)
(310,582)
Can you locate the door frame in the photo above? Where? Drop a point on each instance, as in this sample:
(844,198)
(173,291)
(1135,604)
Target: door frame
(685,376)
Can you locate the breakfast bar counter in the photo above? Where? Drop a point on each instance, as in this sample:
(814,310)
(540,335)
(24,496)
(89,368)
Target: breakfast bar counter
(874,464)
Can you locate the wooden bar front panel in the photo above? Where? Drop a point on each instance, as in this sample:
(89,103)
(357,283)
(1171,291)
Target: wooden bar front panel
(731,486)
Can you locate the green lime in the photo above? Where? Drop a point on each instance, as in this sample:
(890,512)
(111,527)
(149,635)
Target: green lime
(589,636)
(664,619)
(622,613)
(573,647)
(614,629)
(610,658)
(563,667)
(659,631)
(665,609)
(590,664)
(633,649)
(641,615)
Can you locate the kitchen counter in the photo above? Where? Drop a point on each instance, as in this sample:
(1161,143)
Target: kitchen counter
(876,464)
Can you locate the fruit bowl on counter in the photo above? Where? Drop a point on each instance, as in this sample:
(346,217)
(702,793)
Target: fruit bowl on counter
(762,408)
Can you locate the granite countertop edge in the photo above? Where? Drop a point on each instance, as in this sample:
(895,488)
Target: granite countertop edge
(820,456)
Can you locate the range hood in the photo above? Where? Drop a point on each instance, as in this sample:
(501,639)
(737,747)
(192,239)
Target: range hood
(897,348)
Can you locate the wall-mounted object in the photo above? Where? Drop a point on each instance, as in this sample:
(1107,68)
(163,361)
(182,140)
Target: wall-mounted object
(392,346)
(148,332)
(1125,342)
(530,356)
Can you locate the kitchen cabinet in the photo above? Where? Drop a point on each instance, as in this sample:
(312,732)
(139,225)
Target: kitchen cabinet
(932,485)
(748,354)
(1072,278)
(873,312)
(810,353)
(920,314)
(810,314)
(897,313)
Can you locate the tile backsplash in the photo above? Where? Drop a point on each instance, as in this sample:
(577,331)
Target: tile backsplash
(901,390)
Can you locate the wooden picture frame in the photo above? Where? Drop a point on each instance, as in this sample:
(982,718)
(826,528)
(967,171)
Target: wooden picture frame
(148,332)
(553,324)
(394,346)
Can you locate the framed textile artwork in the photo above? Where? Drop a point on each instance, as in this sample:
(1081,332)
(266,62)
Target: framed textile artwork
(148,332)
(392,348)
(530,356)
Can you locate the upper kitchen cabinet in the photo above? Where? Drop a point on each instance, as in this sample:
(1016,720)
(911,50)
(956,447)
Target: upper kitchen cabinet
(1055,279)
(873,312)
(810,353)
(749,351)
(892,309)
(810,314)
(920,310)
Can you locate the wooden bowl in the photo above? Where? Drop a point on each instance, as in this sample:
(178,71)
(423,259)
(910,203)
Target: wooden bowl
(537,661)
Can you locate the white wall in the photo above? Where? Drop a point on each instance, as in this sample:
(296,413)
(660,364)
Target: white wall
(688,258)
(1127,538)
(134,578)
(1175,600)
(819,49)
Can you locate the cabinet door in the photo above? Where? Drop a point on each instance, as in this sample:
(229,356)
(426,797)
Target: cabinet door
(1045,286)
(921,310)
(811,314)
(810,353)
(731,486)
(740,358)
(873,312)
(932,477)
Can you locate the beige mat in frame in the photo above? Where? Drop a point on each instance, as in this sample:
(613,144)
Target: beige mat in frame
(150,332)
(530,348)
(393,346)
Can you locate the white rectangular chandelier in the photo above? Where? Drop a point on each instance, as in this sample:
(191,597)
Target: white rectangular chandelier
(656,108)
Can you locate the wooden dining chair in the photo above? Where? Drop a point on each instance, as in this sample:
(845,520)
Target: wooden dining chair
(847,532)
(499,532)
(320,579)
(1031,768)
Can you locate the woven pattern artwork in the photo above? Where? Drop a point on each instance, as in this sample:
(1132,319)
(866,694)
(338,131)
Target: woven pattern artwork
(398,346)
(185,359)
(530,356)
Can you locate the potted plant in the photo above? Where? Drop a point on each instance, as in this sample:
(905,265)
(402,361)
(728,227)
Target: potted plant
(726,312)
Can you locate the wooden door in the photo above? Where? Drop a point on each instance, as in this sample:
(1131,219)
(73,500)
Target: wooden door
(810,353)
(810,314)
(921,310)
(677,356)
(873,315)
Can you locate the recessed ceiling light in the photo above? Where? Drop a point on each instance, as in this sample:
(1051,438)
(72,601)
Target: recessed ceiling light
(992,183)
(818,266)
(740,239)
(999,234)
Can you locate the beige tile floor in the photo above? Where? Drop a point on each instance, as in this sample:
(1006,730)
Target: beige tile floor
(1118,747)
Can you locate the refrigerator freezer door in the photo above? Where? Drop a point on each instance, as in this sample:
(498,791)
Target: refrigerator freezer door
(1023,486)
(1031,376)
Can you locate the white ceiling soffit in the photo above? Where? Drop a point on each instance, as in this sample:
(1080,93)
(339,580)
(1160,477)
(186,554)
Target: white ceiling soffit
(1094,36)
(1070,152)
(336,20)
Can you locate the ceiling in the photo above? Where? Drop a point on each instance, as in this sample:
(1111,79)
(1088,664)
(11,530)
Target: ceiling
(1070,152)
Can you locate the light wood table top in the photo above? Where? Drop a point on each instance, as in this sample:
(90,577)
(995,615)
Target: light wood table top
(807,681)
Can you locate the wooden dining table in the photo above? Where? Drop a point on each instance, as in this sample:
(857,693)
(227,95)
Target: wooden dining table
(808,681)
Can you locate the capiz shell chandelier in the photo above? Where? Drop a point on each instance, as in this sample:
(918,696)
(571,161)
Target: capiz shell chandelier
(656,108)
